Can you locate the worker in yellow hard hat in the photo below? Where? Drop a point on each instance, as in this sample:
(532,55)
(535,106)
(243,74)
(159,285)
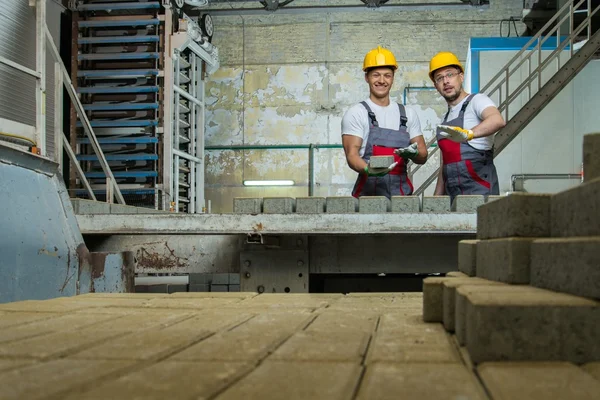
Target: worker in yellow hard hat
(379,127)
(466,136)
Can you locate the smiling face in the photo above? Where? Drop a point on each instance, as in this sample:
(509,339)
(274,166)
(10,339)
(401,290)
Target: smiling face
(448,82)
(380,81)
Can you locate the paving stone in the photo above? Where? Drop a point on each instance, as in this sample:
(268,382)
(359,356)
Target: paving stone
(282,322)
(576,212)
(436,204)
(177,288)
(7,365)
(219,288)
(570,265)
(146,319)
(278,205)
(593,369)
(432,299)
(419,381)
(297,380)
(199,287)
(504,260)
(520,214)
(247,205)
(591,156)
(8,319)
(373,204)
(310,205)
(211,320)
(467,203)
(448,297)
(405,204)
(467,257)
(158,288)
(456,274)
(342,205)
(492,197)
(333,321)
(537,380)
(504,327)
(423,345)
(42,306)
(49,379)
(324,346)
(381,161)
(220,279)
(195,278)
(191,303)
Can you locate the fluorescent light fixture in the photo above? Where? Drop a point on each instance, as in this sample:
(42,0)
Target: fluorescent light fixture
(282,182)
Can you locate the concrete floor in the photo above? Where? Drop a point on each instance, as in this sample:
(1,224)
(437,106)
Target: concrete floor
(242,346)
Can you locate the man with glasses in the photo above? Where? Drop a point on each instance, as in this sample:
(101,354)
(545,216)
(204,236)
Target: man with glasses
(466,136)
(379,127)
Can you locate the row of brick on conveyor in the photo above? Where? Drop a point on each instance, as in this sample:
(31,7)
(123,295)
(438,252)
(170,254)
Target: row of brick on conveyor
(528,288)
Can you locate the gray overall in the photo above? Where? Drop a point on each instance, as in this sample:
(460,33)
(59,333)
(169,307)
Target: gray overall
(466,170)
(383,142)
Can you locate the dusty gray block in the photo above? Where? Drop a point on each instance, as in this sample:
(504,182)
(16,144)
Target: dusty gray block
(199,287)
(310,205)
(570,265)
(196,278)
(406,204)
(504,260)
(122,209)
(247,205)
(278,205)
(460,323)
(220,279)
(591,156)
(467,256)
(234,279)
(467,204)
(576,212)
(219,288)
(436,204)
(432,299)
(373,204)
(158,288)
(540,326)
(520,214)
(83,207)
(492,197)
(177,288)
(234,288)
(381,161)
(342,204)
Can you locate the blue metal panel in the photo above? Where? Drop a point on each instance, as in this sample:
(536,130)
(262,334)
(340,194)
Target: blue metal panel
(114,23)
(120,106)
(119,157)
(118,89)
(124,174)
(118,6)
(125,123)
(475,67)
(118,39)
(512,43)
(125,140)
(105,73)
(118,56)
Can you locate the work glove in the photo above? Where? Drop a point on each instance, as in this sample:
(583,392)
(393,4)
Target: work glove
(409,152)
(455,133)
(379,171)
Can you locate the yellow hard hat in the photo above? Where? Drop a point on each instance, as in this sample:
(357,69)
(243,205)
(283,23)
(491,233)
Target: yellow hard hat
(380,57)
(443,59)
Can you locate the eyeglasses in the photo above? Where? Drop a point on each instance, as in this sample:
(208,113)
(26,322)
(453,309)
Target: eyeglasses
(449,75)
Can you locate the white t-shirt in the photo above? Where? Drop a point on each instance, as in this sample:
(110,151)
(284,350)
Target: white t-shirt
(356,121)
(478,103)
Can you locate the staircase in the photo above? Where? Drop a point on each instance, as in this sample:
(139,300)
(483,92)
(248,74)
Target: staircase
(576,38)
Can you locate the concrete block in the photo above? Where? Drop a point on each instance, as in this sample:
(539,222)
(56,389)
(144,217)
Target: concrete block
(177,288)
(467,256)
(310,205)
(520,214)
(278,205)
(219,288)
(406,204)
(234,288)
(504,260)
(576,212)
(220,279)
(199,287)
(141,289)
(381,161)
(593,369)
(456,274)
(342,205)
(492,197)
(536,326)
(197,278)
(591,156)
(432,299)
(425,344)
(436,204)
(467,204)
(247,205)
(123,209)
(448,297)
(373,204)
(570,265)
(83,207)
(158,289)
(234,279)
(349,346)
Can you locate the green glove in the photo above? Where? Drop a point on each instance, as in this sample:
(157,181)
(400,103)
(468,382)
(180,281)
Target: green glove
(409,152)
(379,171)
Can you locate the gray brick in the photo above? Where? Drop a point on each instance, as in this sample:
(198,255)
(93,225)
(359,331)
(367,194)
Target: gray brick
(342,204)
(570,265)
(278,205)
(310,205)
(491,197)
(432,299)
(373,204)
(406,204)
(436,204)
(234,279)
(467,204)
(196,278)
(591,156)
(158,288)
(467,256)
(234,288)
(219,288)
(122,209)
(537,326)
(199,287)
(82,207)
(177,288)
(520,214)
(381,161)
(576,212)
(247,205)
(456,274)
(448,297)
(220,279)
(504,260)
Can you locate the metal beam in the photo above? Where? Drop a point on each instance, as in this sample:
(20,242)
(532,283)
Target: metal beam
(263,224)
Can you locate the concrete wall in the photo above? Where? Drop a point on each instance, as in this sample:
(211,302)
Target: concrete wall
(288,79)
